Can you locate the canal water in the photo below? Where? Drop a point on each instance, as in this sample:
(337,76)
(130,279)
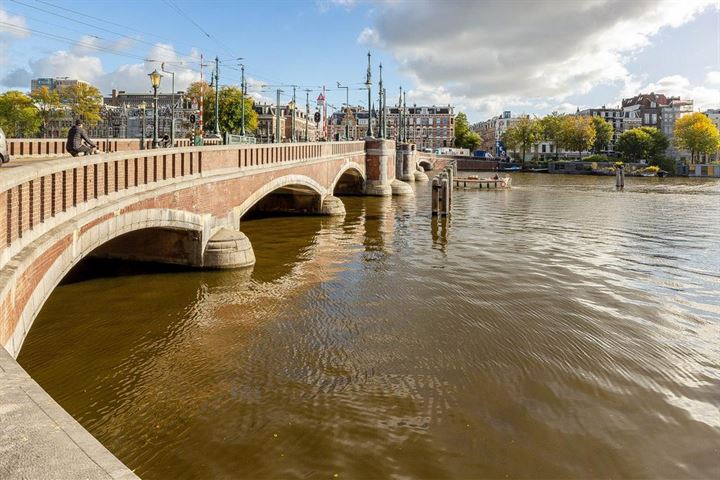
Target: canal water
(559,329)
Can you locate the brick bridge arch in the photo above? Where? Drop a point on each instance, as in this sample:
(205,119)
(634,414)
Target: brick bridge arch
(183,205)
(179,205)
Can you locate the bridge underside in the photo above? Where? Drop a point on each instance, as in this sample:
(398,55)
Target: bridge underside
(288,200)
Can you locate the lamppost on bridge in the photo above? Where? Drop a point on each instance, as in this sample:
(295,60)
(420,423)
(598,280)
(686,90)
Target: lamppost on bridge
(243,89)
(368,84)
(172,123)
(142,108)
(347,109)
(155,78)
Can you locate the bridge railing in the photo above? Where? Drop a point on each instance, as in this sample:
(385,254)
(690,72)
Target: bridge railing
(32,195)
(20,147)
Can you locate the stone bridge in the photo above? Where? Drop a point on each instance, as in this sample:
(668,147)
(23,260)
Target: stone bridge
(180,205)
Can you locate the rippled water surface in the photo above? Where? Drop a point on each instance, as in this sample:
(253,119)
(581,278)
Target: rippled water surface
(560,329)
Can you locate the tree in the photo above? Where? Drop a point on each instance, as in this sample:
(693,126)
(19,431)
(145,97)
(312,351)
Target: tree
(230,109)
(551,129)
(208,96)
(464,137)
(657,144)
(522,135)
(19,117)
(84,101)
(48,104)
(633,144)
(696,133)
(603,134)
(577,133)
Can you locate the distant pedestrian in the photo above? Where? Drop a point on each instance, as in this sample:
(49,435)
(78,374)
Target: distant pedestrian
(76,137)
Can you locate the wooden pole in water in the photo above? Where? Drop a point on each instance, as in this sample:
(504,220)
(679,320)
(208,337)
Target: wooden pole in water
(435,196)
(620,177)
(446,197)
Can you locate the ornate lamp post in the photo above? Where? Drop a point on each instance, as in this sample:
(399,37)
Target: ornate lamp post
(172,124)
(155,78)
(347,110)
(142,108)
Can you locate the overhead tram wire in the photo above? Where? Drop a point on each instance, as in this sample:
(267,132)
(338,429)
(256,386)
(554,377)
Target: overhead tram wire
(135,39)
(144,32)
(173,5)
(71,41)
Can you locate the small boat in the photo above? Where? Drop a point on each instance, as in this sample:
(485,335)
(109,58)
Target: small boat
(499,182)
(662,173)
(513,168)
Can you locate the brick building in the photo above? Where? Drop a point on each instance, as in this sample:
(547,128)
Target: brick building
(267,123)
(648,106)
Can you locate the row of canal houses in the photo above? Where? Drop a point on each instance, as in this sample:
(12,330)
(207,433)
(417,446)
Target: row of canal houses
(644,110)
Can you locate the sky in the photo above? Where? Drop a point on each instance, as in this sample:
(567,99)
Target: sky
(483,57)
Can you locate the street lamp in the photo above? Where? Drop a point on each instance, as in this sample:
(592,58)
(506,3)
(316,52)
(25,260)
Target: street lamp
(142,108)
(155,78)
(347,108)
(172,124)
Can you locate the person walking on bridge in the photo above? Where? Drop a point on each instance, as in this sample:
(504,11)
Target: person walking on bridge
(75,139)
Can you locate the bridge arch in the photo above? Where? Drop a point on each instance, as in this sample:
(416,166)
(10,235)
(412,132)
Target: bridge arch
(425,165)
(70,247)
(289,193)
(350,180)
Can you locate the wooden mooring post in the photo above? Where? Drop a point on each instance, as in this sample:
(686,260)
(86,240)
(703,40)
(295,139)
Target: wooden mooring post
(620,177)
(442,193)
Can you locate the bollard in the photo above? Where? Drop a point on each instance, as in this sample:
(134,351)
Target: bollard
(435,196)
(445,207)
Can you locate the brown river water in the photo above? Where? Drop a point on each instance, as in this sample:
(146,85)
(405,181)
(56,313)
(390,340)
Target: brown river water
(557,330)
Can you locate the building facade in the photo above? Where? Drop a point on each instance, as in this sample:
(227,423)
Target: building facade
(301,125)
(614,116)
(429,127)
(54,84)
(648,106)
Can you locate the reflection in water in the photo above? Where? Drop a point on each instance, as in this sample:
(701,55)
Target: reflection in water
(563,329)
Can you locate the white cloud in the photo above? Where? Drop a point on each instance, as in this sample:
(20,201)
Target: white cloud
(703,96)
(713,78)
(325,5)
(129,77)
(12,25)
(89,44)
(491,54)
(368,36)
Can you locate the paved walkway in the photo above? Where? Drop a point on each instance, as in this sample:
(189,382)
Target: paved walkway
(40,440)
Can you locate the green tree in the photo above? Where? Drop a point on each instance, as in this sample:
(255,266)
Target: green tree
(48,104)
(204,90)
(522,135)
(633,144)
(603,134)
(697,134)
(577,133)
(464,137)
(230,108)
(84,101)
(19,117)
(551,129)
(657,144)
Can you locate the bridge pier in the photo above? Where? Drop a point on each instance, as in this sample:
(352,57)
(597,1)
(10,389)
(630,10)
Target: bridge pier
(228,249)
(407,161)
(379,166)
(420,175)
(333,206)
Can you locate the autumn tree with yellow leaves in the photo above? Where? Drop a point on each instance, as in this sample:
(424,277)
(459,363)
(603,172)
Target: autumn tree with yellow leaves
(697,134)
